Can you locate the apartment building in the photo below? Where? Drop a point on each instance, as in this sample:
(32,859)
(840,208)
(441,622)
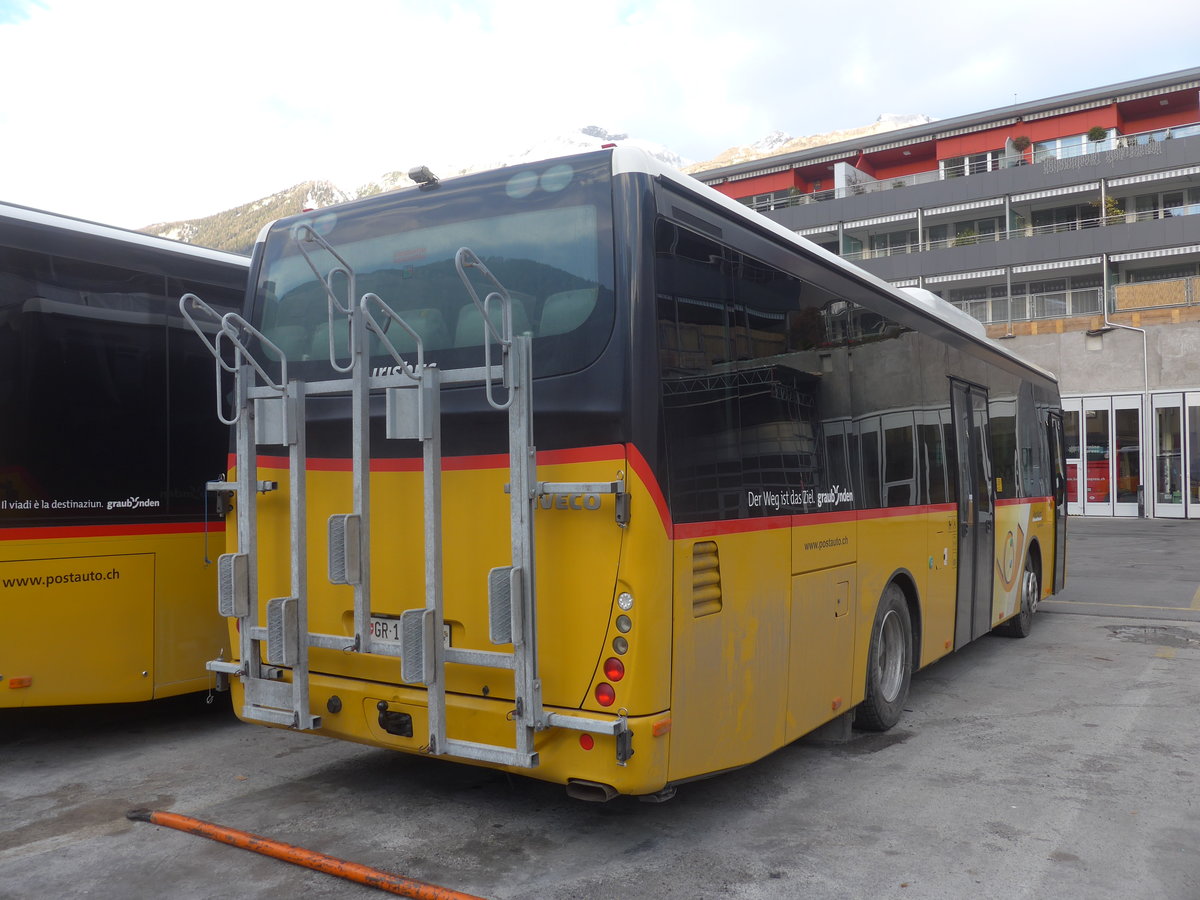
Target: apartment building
(1069,226)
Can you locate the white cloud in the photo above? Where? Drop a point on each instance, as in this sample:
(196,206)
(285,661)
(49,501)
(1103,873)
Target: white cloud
(133,111)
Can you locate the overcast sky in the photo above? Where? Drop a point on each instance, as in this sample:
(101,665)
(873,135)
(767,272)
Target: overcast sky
(133,112)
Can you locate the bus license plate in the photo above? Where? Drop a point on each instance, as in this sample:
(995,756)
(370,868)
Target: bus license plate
(386,630)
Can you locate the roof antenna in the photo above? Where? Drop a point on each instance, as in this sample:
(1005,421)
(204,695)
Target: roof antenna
(425,179)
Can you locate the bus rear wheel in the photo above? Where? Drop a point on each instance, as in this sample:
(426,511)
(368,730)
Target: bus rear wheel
(889,663)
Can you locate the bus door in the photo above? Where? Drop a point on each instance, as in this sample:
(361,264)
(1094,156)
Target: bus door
(976,512)
(1058,467)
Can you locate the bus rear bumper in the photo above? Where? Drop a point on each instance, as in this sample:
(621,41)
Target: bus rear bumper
(395,717)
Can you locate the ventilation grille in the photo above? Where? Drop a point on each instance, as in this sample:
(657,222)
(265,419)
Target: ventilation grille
(706,579)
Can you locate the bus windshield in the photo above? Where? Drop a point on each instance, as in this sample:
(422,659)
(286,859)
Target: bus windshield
(543,232)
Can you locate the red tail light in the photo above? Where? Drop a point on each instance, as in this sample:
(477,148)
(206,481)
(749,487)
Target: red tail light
(605,695)
(614,669)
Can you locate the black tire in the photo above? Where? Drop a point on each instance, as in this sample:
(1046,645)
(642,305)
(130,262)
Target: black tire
(889,664)
(1021,624)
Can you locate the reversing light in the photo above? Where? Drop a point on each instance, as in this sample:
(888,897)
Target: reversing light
(620,645)
(614,669)
(624,624)
(605,695)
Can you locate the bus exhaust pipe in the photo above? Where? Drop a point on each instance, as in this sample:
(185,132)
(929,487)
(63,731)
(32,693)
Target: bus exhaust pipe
(591,791)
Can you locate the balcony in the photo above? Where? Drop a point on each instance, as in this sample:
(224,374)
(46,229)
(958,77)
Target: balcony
(1123,298)
(994,163)
(1026,231)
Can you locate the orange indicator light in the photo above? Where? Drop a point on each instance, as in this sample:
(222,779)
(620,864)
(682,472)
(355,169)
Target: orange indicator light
(21,681)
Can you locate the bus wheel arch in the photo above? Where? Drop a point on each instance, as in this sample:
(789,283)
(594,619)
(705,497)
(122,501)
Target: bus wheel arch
(904,580)
(1029,596)
(890,658)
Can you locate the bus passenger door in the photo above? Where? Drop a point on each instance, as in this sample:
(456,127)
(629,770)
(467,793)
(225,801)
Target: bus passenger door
(1058,467)
(976,512)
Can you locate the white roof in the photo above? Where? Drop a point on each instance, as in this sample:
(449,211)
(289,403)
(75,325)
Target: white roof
(82,226)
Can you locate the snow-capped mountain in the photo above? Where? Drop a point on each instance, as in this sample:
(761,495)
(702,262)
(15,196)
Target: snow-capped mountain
(778,142)
(236,229)
(590,137)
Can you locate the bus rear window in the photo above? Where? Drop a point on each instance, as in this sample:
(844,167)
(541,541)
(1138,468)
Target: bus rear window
(555,263)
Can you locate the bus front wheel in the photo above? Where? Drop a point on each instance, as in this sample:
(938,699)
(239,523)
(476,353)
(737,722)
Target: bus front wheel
(889,663)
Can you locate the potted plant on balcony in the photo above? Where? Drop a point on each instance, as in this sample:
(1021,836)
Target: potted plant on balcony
(1020,144)
(1096,133)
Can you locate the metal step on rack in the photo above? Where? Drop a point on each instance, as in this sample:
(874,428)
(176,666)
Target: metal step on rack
(270,411)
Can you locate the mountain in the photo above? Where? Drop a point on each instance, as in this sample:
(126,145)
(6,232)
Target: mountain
(777,142)
(236,229)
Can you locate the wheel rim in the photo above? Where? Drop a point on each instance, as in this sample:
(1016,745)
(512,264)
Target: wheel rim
(1032,593)
(889,656)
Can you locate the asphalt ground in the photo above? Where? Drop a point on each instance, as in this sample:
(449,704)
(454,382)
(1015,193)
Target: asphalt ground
(1064,765)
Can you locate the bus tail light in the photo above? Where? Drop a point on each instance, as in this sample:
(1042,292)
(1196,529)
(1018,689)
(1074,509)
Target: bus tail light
(614,669)
(605,694)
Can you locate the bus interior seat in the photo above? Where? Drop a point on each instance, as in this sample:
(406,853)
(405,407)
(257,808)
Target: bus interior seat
(567,310)
(429,323)
(318,348)
(319,345)
(469,330)
(291,339)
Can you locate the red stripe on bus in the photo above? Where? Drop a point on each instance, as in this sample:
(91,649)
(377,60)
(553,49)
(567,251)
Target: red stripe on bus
(613,452)
(802,520)
(641,468)
(733,526)
(1016,501)
(130,530)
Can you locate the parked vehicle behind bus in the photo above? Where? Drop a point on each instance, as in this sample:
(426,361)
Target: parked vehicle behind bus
(107,442)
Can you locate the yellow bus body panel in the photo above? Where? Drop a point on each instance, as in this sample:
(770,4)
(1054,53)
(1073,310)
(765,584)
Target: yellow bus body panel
(109,619)
(578,540)
(730,665)
(710,685)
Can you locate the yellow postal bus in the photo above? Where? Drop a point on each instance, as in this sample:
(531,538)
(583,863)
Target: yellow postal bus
(580,470)
(108,440)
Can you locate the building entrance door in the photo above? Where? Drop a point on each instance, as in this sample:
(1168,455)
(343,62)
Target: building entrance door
(1126,454)
(1072,410)
(1097,488)
(1177,455)
(1104,455)
(1192,442)
(1169,496)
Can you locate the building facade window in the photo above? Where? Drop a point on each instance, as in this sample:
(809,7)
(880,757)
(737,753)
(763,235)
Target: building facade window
(972,164)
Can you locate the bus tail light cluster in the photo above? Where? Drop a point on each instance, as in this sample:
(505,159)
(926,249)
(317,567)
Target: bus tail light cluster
(614,668)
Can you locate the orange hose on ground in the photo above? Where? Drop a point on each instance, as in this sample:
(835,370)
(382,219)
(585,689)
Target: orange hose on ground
(331,865)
